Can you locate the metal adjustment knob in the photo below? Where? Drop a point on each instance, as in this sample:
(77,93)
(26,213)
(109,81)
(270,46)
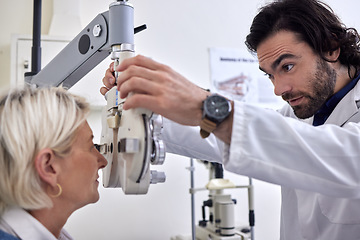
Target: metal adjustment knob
(158,152)
(157,177)
(97,30)
(158,146)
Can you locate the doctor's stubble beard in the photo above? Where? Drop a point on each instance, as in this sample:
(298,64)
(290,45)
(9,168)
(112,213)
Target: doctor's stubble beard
(322,85)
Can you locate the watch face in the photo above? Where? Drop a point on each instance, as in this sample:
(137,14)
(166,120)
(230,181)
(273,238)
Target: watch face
(217,107)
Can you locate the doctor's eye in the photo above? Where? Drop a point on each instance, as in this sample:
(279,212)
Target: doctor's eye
(270,76)
(288,67)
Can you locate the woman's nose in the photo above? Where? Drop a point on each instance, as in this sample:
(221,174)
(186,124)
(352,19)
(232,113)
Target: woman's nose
(101,159)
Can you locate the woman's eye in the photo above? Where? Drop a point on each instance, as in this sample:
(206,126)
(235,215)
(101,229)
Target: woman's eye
(93,146)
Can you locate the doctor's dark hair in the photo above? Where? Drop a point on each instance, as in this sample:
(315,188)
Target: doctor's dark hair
(314,22)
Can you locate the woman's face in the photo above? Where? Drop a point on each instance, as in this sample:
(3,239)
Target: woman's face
(79,171)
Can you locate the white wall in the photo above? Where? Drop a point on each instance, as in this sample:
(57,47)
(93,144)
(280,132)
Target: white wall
(179,34)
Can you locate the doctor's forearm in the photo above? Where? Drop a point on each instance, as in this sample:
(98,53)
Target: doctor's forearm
(288,150)
(186,141)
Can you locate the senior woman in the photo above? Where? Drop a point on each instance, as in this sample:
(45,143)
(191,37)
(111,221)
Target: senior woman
(48,163)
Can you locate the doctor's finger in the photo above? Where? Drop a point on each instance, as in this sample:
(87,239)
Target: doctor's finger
(142,101)
(140,61)
(139,85)
(109,79)
(136,71)
(111,67)
(103,90)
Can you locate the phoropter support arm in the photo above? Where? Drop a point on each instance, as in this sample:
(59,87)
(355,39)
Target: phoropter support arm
(130,140)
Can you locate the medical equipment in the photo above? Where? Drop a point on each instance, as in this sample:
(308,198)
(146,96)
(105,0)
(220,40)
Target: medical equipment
(220,224)
(130,140)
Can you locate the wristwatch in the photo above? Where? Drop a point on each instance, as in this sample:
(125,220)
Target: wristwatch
(216,109)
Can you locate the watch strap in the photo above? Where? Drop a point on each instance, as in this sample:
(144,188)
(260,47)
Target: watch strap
(206,127)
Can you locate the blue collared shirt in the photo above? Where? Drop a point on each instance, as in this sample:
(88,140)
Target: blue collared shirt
(324,112)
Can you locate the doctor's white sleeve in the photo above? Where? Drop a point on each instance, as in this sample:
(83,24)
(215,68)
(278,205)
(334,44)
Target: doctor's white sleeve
(285,151)
(186,141)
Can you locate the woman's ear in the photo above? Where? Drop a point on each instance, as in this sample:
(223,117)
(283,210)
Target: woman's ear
(45,166)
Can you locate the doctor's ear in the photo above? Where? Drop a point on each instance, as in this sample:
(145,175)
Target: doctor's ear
(45,166)
(332,56)
(334,49)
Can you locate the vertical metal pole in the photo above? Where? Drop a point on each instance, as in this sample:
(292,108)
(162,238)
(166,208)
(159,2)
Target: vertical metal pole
(192,198)
(36,48)
(251,209)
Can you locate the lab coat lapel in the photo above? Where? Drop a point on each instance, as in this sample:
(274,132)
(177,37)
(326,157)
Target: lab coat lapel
(346,108)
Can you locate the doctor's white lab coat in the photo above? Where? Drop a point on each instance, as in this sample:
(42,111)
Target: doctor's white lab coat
(318,168)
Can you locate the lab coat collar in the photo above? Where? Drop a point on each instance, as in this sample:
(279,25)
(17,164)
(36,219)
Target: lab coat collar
(26,226)
(347,107)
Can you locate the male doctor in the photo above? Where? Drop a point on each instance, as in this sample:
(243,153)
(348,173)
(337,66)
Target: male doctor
(311,147)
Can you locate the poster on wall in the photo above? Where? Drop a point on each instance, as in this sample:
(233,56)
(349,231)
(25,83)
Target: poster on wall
(235,74)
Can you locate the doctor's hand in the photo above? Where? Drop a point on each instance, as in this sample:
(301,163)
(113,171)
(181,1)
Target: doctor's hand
(157,87)
(108,80)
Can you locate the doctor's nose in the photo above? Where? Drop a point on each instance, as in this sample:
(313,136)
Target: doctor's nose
(281,86)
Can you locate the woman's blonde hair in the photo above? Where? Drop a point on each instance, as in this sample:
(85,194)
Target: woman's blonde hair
(31,120)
